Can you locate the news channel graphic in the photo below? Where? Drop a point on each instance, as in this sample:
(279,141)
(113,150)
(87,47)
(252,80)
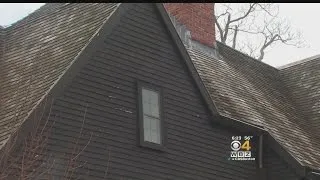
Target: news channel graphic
(241,148)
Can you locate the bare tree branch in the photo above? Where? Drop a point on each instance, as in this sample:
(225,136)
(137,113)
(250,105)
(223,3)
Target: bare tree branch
(226,29)
(219,27)
(260,21)
(251,9)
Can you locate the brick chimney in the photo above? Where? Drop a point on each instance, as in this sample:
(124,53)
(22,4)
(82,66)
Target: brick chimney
(197,18)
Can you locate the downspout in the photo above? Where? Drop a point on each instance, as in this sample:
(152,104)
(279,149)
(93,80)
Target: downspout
(261,171)
(260,151)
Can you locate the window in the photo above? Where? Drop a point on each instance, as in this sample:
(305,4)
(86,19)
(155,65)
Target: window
(150,116)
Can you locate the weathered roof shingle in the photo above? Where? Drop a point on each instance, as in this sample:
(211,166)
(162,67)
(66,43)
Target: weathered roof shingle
(42,46)
(303,81)
(38,50)
(245,89)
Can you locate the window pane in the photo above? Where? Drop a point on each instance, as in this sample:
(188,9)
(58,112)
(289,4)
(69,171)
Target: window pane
(155,131)
(150,103)
(147,130)
(151,128)
(145,102)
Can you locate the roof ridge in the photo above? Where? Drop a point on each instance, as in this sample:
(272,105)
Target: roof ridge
(311,58)
(244,54)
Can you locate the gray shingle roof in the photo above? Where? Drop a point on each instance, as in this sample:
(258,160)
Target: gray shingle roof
(245,89)
(303,81)
(41,47)
(2,35)
(38,50)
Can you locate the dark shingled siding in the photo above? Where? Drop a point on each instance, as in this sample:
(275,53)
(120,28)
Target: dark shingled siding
(277,169)
(106,92)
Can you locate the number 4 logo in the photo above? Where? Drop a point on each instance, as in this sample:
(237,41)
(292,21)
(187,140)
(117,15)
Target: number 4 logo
(246,145)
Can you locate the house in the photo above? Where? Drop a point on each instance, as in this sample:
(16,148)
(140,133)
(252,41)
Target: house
(139,91)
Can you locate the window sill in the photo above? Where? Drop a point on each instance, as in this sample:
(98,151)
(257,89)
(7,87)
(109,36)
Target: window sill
(153,146)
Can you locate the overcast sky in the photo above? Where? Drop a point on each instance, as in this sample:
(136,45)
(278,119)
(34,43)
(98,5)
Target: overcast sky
(303,16)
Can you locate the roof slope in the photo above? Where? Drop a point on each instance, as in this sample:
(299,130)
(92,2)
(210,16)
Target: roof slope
(303,81)
(41,47)
(38,50)
(245,89)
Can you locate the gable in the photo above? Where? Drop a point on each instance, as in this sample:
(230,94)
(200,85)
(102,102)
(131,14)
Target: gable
(229,104)
(139,48)
(37,51)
